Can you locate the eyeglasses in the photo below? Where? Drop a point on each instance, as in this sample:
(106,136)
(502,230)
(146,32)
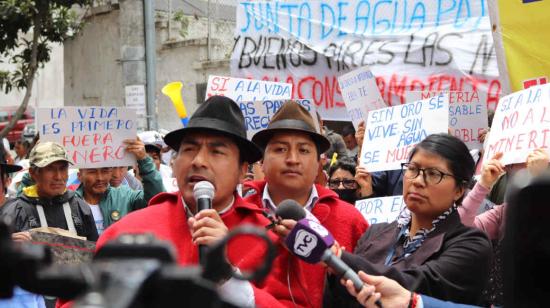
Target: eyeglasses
(431,176)
(347,183)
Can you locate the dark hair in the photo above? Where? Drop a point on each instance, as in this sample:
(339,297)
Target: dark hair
(344,164)
(455,152)
(348,130)
(25,143)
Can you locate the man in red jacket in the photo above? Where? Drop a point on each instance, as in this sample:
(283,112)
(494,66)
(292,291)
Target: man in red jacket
(213,147)
(292,149)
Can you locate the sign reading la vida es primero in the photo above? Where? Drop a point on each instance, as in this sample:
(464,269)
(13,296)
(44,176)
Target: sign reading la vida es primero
(93,136)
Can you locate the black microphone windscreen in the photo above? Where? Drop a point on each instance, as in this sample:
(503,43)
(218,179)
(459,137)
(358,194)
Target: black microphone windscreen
(290,209)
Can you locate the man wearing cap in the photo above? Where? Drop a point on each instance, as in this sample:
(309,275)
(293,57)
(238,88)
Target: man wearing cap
(20,298)
(292,149)
(213,147)
(48,203)
(110,204)
(153,146)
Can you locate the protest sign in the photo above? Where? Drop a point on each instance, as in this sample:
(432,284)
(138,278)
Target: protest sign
(360,93)
(135,99)
(247,90)
(392,132)
(467,114)
(93,136)
(258,114)
(377,210)
(433,45)
(521,125)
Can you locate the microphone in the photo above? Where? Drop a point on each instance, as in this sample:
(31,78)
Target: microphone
(203,192)
(311,242)
(290,209)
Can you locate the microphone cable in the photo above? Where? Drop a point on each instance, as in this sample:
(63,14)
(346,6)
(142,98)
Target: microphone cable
(299,284)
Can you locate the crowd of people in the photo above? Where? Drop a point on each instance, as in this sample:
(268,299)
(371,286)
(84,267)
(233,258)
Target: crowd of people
(442,250)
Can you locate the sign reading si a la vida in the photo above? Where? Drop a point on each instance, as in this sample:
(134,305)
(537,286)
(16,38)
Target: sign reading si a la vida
(93,136)
(247,90)
(391,133)
(521,125)
(258,114)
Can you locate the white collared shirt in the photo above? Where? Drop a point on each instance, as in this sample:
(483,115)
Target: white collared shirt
(269,205)
(190,214)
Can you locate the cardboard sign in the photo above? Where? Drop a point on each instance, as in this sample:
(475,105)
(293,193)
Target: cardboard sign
(247,90)
(377,210)
(467,114)
(93,136)
(360,94)
(521,125)
(65,250)
(258,114)
(391,133)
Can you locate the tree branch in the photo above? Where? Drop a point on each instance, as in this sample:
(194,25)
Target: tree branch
(31,73)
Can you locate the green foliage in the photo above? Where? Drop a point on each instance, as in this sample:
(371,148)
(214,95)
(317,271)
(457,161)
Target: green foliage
(55,21)
(180,17)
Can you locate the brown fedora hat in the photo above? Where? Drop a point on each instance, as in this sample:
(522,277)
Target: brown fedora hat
(218,114)
(291,117)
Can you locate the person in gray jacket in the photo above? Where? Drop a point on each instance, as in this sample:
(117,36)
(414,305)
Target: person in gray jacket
(48,203)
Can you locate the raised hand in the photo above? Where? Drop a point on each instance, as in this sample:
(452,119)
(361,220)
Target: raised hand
(491,171)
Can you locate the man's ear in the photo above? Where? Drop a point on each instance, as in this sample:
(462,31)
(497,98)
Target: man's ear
(78,175)
(33,172)
(244,170)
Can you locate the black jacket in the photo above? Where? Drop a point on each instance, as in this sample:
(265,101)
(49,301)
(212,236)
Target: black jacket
(24,216)
(452,264)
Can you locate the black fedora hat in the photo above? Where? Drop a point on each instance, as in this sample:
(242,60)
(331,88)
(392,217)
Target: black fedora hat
(219,114)
(4,166)
(291,117)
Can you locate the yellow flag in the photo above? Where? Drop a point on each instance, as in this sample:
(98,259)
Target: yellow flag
(522,28)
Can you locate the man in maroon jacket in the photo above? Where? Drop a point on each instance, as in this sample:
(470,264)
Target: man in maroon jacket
(292,149)
(213,147)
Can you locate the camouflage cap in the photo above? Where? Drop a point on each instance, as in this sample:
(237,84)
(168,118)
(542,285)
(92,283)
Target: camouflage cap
(45,153)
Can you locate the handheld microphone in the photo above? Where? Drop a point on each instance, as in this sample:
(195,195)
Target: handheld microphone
(203,192)
(311,242)
(290,209)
